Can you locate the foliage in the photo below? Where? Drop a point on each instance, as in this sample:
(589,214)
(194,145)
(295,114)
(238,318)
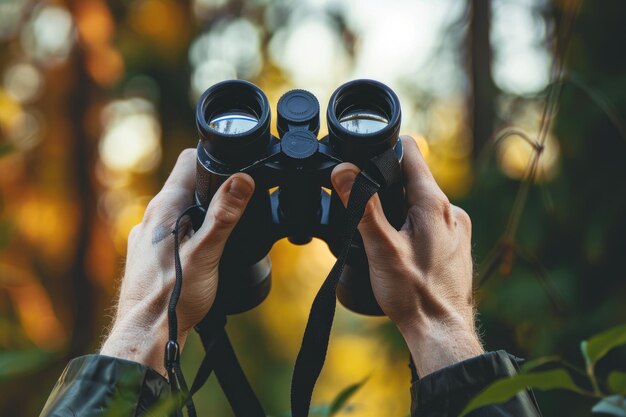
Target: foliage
(339,403)
(169,404)
(21,362)
(5,149)
(594,349)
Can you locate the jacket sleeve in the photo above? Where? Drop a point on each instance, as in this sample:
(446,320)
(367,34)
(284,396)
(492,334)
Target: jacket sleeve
(446,392)
(96,385)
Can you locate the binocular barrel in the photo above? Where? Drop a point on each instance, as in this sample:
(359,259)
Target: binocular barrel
(363,120)
(233,119)
(292,176)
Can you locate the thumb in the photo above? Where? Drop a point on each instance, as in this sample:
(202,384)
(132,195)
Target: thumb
(374,227)
(226,208)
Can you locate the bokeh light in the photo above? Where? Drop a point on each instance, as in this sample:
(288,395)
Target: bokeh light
(521,61)
(11,12)
(230,50)
(23,81)
(307,48)
(131,138)
(48,36)
(28,130)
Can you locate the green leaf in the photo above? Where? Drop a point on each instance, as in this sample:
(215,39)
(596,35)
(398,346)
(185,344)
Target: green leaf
(344,396)
(613,405)
(14,363)
(319,410)
(165,406)
(600,344)
(504,389)
(617,382)
(583,350)
(6,231)
(5,148)
(535,363)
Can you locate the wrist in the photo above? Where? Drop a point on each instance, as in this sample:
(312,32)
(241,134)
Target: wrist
(435,343)
(140,339)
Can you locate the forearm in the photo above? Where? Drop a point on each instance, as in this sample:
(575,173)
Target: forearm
(139,337)
(437,343)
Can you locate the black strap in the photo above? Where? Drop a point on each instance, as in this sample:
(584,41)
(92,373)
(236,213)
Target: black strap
(172,348)
(219,354)
(382,171)
(220,357)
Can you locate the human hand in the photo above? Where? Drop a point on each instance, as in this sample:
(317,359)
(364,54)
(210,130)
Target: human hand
(140,329)
(422,274)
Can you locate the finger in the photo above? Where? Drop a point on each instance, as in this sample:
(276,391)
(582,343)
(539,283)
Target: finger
(176,194)
(420,183)
(376,231)
(184,173)
(225,210)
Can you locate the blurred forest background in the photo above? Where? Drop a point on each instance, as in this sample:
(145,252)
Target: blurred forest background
(97,100)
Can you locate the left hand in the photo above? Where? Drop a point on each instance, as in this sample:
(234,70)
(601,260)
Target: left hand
(139,332)
(422,274)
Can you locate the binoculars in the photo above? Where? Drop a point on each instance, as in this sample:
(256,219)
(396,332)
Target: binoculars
(293,196)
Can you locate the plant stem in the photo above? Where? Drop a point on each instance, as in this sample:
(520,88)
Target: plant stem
(592,377)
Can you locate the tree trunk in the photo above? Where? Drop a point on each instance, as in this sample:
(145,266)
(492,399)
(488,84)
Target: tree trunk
(482,90)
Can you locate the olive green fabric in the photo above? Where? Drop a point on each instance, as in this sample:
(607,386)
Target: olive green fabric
(447,391)
(96,385)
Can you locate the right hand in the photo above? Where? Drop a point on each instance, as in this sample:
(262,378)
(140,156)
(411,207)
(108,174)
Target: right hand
(140,330)
(422,274)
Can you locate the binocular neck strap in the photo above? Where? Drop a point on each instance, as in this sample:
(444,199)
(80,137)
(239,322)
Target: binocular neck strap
(382,171)
(219,354)
(172,348)
(220,358)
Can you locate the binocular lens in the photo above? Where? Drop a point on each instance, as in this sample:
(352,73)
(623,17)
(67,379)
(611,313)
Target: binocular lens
(233,123)
(363,122)
(233,119)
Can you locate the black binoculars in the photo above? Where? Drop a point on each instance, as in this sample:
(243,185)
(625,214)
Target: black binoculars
(293,196)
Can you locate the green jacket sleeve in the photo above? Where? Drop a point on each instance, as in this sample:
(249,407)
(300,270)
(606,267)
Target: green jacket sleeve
(96,385)
(446,392)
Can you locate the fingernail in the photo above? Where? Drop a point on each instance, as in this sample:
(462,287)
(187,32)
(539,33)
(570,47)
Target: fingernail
(343,181)
(239,189)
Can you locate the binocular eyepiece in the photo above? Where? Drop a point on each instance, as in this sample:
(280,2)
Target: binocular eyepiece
(233,120)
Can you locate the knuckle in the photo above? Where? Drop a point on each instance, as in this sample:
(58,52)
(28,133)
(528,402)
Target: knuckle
(225,216)
(443,203)
(134,233)
(154,209)
(463,218)
(186,154)
(437,202)
(369,215)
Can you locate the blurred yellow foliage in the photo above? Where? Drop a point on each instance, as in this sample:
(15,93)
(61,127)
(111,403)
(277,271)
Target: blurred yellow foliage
(514,156)
(48,223)
(105,64)
(297,274)
(163,21)
(10,111)
(352,358)
(95,24)
(33,306)
(96,28)
(127,217)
